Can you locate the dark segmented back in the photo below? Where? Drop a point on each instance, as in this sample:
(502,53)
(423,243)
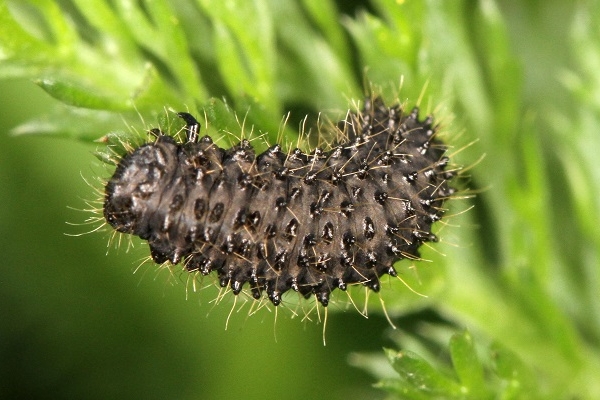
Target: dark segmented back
(280,221)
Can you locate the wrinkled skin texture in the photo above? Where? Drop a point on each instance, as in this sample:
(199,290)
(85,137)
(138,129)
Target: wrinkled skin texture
(279,221)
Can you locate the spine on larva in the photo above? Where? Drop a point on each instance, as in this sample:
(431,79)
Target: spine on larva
(287,220)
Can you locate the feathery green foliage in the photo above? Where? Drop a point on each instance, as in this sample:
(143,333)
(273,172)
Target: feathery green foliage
(520,78)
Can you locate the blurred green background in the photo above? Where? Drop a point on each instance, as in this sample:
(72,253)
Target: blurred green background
(520,269)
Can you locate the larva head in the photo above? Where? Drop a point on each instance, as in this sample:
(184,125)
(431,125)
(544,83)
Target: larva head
(136,186)
(149,193)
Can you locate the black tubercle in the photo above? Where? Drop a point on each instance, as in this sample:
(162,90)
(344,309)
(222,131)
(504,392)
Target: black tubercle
(274,222)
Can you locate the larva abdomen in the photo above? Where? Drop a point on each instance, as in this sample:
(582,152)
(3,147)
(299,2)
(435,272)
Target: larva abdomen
(287,220)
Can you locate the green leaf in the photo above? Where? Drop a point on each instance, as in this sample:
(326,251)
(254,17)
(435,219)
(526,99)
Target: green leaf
(244,44)
(76,94)
(402,390)
(419,374)
(501,376)
(467,365)
(520,383)
(74,123)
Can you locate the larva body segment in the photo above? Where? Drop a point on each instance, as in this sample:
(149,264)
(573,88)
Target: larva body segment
(279,221)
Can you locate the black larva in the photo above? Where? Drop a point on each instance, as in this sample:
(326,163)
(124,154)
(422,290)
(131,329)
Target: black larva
(287,220)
